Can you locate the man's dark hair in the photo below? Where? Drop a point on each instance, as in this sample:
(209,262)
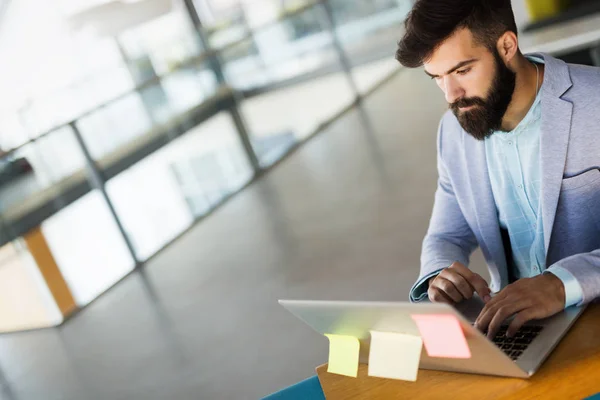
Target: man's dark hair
(430,22)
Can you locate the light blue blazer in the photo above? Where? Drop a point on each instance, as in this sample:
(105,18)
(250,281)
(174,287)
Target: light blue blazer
(464,213)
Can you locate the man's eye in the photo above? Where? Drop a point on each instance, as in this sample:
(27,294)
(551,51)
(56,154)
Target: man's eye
(463,71)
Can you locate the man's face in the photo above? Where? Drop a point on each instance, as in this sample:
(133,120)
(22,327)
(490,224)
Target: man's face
(477,84)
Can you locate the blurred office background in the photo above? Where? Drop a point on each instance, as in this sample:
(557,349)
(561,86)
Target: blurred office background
(124,125)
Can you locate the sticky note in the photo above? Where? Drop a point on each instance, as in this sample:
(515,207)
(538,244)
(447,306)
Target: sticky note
(395,355)
(442,336)
(343,355)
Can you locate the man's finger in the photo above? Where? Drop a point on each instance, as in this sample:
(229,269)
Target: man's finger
(485,316)
(437,296)
(520,319)
(465,289)
(501,315)
(448,288)
(507,292)
(481,287)
(475,280)
(487,313)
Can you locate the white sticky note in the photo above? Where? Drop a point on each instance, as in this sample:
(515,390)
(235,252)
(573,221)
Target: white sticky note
(395,355)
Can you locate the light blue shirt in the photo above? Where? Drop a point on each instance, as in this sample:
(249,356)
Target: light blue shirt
(513,160)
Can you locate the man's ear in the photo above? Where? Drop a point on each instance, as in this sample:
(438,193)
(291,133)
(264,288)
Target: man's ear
(507,46)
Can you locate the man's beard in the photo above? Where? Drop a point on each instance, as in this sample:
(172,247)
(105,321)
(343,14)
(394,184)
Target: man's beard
(485,116)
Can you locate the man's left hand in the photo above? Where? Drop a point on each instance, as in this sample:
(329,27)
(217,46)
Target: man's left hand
(528,298)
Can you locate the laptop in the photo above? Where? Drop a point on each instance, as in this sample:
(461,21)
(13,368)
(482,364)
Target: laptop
(519,357)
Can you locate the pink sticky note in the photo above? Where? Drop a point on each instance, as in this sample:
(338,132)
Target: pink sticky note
(442,336)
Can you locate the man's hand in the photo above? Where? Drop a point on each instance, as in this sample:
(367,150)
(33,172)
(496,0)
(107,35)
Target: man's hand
(527,299)
(457,283)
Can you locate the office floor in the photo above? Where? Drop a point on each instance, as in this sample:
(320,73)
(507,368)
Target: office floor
(342,218)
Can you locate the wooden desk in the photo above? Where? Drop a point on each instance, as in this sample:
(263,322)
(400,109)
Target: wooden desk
(571,372)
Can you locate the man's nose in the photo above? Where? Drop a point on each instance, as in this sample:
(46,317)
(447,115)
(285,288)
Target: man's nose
(452,90)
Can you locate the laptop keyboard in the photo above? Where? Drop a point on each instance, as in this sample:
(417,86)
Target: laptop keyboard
(515,346)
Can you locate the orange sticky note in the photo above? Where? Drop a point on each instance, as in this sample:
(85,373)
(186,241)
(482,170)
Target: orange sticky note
(442,336)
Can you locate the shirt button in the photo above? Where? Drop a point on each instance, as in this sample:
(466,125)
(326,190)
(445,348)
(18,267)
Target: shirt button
(520,186)
(510,142)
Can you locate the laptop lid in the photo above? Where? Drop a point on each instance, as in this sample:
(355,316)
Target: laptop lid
(358,318)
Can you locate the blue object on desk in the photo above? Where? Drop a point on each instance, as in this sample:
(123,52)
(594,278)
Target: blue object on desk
(594,397)
(308,389)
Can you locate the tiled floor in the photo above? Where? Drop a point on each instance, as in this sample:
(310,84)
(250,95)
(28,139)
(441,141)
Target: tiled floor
(342,218)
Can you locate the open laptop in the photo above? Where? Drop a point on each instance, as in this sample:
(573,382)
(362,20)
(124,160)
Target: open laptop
(519,357)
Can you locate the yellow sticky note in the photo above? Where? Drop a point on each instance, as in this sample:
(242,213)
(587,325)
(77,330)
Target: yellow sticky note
(343,355)
(395,355)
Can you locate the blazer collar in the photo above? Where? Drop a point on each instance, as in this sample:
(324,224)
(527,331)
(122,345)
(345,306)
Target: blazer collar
(554,140)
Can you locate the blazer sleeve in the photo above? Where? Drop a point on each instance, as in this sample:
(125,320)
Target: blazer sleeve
(449,237)
(585,267)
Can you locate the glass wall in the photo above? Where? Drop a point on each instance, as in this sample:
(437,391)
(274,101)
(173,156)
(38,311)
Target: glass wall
(369,31)
(88,247)
(37,172)
(162,195)
(281,118)
(281,48)
(25,301)
(296,45)
(289,46)
(124,98)
(45,185)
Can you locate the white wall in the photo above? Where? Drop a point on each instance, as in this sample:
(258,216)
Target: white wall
(521,14)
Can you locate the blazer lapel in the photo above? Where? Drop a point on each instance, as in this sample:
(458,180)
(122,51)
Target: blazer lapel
(556,129)
(554,140)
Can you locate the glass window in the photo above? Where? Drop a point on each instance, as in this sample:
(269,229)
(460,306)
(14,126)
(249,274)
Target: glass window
(366,76)
(345,12)
(281,50)
(188,87)
(296,45)
(65,105)
(228,32)
(88,247)
(133,117)
(280,118)
(243,66)
(261,12)
(166,41)
(158,198)
(47,69)
(114,125)
(12,131)
(75,6)
(369,29)
(149,205)
(224,22)
(30,176)
(212,164)
(25,301)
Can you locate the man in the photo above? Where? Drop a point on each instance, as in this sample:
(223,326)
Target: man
(518,163)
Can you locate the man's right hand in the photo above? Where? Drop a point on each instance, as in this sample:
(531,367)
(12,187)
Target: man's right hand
(457,283)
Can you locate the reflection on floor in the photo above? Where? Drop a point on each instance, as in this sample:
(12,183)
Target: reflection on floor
(342,218)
